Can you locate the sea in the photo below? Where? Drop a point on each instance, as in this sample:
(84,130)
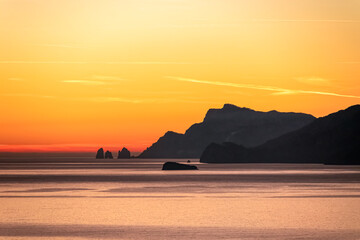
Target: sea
(56,197)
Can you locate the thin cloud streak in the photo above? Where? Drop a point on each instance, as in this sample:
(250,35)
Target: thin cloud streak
(86,82)
(96,80)
(107,78)
(15,79)
(251,21)
(246,21)
(277,90)
(150,63)
(110,63)
(308,20)
(109,99)
(41,62)
(25,95)
(138,100)
(313,80)
(57,45)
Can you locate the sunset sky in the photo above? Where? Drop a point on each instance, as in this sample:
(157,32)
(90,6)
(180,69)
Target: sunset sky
(77,75)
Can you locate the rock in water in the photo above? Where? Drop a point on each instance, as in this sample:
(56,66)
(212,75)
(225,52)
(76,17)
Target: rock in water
(100,154)
(108,155)
(178,166)
(124,153)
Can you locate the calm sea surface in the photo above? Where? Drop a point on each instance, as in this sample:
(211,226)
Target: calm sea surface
(84,198)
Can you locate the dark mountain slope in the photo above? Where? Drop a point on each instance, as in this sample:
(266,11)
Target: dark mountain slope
(334,139)
(229,124)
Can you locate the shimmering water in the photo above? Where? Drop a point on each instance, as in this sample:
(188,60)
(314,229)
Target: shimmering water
(84,198)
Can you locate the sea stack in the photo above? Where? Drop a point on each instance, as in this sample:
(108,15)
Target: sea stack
(124,153)
(100,154)
(108,155)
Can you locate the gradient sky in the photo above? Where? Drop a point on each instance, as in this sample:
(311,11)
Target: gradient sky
(75,75)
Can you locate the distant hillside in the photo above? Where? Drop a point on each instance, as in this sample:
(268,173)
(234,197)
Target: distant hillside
(334,139)
(229,124)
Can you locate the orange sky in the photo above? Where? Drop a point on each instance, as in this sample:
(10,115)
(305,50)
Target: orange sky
(75,75)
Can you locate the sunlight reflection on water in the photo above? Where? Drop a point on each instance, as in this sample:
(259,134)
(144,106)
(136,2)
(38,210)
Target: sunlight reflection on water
(139,201)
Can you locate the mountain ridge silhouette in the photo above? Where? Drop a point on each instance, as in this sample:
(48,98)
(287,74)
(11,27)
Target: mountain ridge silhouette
(228,124)
(333,139)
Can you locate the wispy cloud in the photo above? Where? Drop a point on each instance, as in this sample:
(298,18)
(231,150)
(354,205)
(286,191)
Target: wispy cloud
(95,80)
(107,99)
(276,90)
(307,20)
(58,45)
(43,62)
(237,85)
(15,79)
(26,95)
(149,63)
(354,62)
(86,82)
(107,78)
(245,21)
(102,62)
(87,99)
(138,100)
(139,62)
(313,80)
